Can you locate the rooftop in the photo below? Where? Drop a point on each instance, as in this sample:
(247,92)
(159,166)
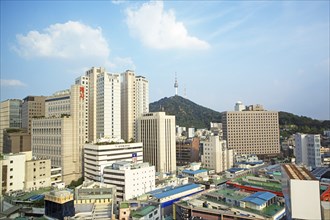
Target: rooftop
(175,190)
(192,172)
(143,211)
(259,198)
(299,173)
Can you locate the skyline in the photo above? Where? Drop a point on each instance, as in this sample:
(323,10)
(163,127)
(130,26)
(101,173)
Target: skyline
(270,53)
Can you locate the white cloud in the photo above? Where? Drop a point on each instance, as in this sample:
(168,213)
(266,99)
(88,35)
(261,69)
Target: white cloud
(158,28)
(68,40)
(12,83)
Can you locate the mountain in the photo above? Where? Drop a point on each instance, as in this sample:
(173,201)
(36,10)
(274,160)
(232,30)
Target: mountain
(190,114)
(187,113)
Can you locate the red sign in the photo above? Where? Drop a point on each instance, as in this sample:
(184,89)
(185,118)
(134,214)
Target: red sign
(82,92)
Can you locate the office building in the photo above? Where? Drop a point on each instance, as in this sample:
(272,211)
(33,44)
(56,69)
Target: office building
(106,152)
(239,106)
(10,116)
(307,150)
(187,151)
(299,205)
(134,102)
(16,140)
(216,155)
(60,136)
(157,133)
(32,107)
(108,106)
(252,131)
(59,204)
(131,179)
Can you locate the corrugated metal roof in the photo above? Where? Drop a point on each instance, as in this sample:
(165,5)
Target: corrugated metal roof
(193,171)
(259,198)
(176,190)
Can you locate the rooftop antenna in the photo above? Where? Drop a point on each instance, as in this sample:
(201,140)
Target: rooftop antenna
(176,85)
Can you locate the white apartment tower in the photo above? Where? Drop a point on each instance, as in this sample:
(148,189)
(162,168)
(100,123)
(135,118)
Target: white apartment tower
(307,149)
(108,105)
(216,155)
(102,101)
(156,131)
(134,102)
(61,136)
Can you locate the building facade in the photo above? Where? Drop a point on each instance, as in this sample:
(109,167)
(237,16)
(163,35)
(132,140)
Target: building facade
(187,151)
(104,153)
(10,116)
(216,155)
(108,105)
(307,149)
(253,131)
(15,141)
(32,107)
(157,133)
(131,179)
(60,136)
(299,205)
(134,102)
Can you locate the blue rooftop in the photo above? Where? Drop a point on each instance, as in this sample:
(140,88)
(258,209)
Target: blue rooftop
(235,169)
(251,163)
(193,172)
(259,198)
(175,190)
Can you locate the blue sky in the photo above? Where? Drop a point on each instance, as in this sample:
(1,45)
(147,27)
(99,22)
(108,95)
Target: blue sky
(274,53)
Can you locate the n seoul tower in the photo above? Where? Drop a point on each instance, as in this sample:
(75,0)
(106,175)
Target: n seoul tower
(176,85)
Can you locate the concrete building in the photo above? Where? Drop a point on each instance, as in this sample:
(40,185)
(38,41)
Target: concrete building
(131,179)
(216,154)
(134,102)
(94,200)
(60,136)
(21,171)
(32,106)
(104,153)
(10,116)
(253,131)
(108,106)
(37,173)
(157,133)
(187,151)
(15,141)
(299,205)
(307,150)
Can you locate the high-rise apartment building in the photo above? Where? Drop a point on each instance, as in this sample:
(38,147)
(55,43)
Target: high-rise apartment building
(104,153)
(108,105)
(134,102)
(10,116)
(187,151)
(301,192)
(307,149)
(102,101)
(252,131)
(61,135)
(32,107)
(216,155)
(156,131)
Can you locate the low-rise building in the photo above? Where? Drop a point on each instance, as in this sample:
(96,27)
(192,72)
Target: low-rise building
(131,179)
(104,153)
(59,204)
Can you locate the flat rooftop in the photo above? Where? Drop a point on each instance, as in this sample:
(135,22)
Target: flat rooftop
(173,191)
(299,173)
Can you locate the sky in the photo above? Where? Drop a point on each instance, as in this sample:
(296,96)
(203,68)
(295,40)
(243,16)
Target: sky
(273,53)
